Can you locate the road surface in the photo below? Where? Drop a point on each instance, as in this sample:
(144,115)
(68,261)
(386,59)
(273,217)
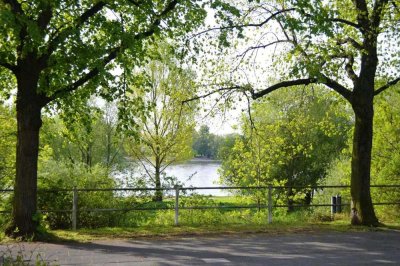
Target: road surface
(323,248)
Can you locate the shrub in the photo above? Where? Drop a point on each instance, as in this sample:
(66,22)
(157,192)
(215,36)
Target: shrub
(57,176)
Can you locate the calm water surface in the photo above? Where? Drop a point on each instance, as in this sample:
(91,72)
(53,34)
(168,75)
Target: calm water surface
(198,173)
(194,173)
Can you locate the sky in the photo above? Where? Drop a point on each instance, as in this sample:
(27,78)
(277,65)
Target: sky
(221,124)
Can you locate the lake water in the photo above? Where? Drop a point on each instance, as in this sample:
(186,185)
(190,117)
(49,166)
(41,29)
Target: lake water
(198,173)
(194,173)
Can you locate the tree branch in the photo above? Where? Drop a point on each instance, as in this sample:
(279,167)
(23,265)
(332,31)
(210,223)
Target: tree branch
(85,16)
(273,15)
(349,69)
(45,17)
(211,93)
(326,81)
(135,3)
(386,86)
(113,53)
(362,14)
(342,90)
(88,76)
(262,46)
(353,42)
(347,22)
(171,6)
(377,12)
(284,84)
(15,6)
(9,66)
(156,22)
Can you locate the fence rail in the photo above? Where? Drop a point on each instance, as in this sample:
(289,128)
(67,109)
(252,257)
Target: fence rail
(268,206)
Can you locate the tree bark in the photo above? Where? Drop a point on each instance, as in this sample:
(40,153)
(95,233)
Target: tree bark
(29,121)
(362,210)
(158,196)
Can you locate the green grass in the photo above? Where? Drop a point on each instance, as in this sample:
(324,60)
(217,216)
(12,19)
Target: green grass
(227,199)
(288,224)
(168,232)
(160,224)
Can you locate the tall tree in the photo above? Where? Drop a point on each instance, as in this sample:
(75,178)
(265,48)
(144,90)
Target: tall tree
(296,136)
(60,50)
(166,131)
(203,142)
(348,46)
(89,137)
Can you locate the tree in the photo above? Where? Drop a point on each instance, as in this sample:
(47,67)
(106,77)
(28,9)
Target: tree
(80,150)
(209,145)
(226,144)
(89,137)
(348,46)
(57,51)
(291,140)
(166,131)
(113,139)
(203,142)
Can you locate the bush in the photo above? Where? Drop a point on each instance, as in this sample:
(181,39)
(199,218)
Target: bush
(5,205)
(57,176)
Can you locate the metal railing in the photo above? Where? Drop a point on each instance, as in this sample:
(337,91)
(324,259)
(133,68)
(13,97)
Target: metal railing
(176,195)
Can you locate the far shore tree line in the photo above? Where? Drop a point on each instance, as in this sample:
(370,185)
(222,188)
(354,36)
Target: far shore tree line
(155,59)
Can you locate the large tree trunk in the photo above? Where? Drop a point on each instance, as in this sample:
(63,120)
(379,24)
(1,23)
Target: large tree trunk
(29,104)
(29,122)
(362,210)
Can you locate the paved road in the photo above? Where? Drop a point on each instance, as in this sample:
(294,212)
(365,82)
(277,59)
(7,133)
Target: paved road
(333,248)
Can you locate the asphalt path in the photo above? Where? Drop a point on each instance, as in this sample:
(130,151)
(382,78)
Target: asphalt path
(322,248)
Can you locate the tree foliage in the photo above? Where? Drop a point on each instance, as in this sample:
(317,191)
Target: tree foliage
(348,46)
(57,52)
(386,151)
(8,140)
(211,146)
(292,143)
(90,138)
(165,132)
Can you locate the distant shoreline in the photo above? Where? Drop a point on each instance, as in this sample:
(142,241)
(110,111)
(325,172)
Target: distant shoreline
(203,159)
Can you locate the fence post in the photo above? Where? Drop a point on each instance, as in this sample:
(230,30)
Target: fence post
(338,203)
(269,204)
(333,205)
(176,205)
(74,208)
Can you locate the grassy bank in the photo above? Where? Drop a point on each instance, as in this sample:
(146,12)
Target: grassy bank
(278,227)
(227,220)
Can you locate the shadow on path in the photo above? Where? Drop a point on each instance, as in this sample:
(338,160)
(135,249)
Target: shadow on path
(333,248)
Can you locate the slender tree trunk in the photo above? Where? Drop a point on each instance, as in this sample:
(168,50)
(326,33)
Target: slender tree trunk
(158,194)
(362,210)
